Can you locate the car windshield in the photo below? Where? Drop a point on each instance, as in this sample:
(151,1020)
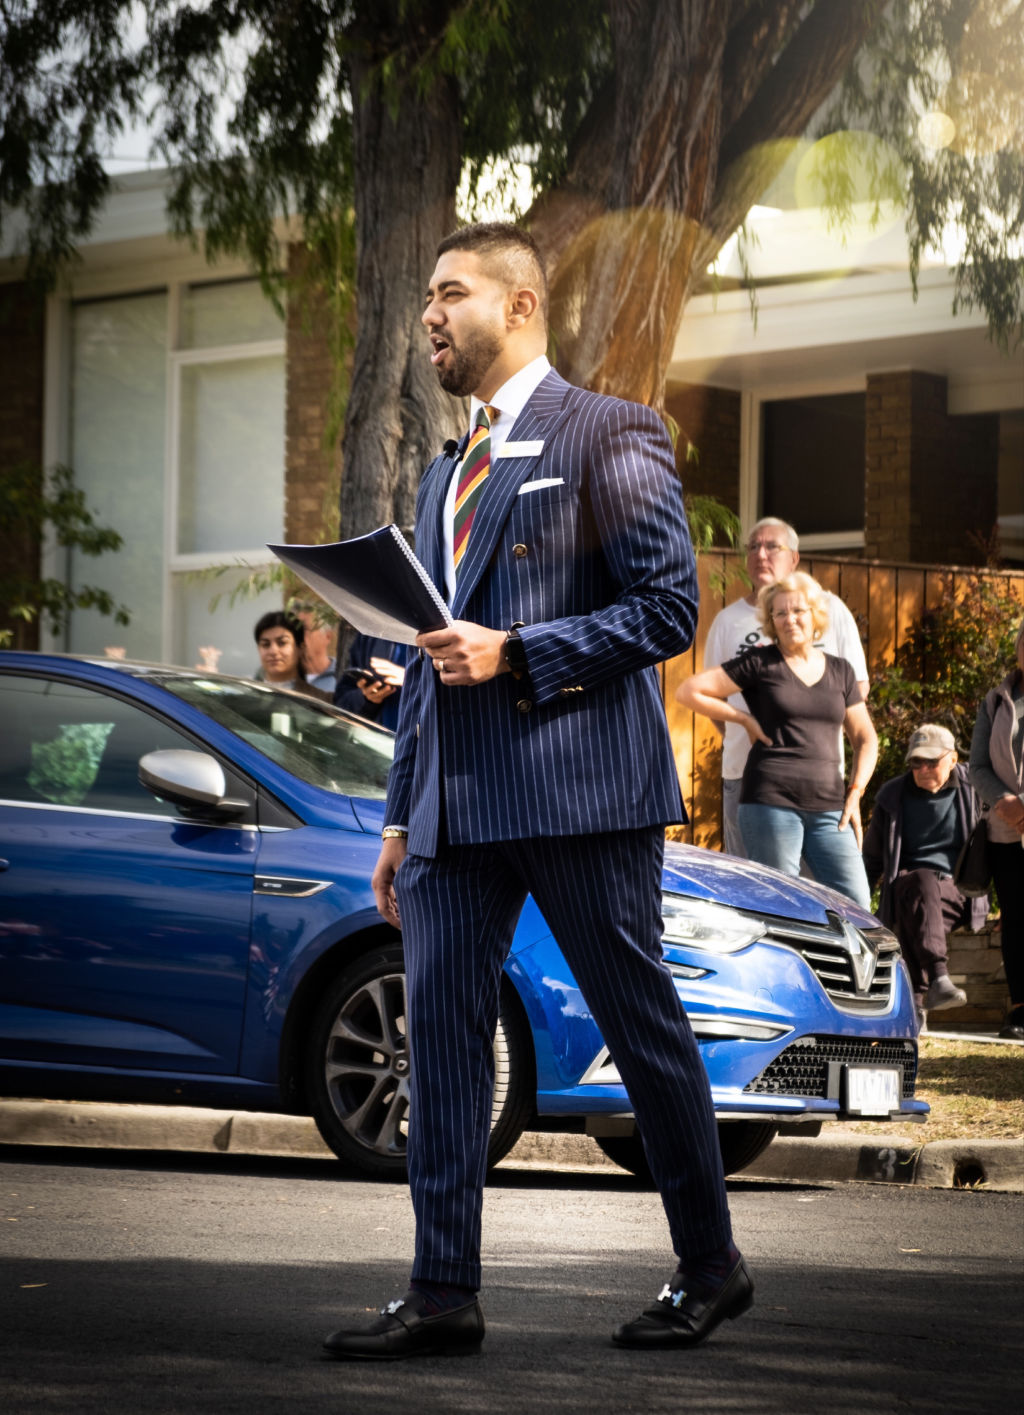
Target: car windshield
(313,741)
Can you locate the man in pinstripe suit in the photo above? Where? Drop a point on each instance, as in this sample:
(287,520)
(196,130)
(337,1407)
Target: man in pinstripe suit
(533,756)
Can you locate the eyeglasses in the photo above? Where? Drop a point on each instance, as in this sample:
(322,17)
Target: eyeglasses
(770,547)
(919,763)
(789,613)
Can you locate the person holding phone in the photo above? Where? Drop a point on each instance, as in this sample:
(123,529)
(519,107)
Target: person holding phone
(371,685)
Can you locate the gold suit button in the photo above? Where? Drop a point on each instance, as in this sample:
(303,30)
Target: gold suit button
(524,704)
(519,551)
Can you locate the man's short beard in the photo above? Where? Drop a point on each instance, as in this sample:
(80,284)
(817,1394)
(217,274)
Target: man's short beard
(465,368)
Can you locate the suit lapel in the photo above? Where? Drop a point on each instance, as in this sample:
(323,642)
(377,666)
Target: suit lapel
(537,422)
(430,516)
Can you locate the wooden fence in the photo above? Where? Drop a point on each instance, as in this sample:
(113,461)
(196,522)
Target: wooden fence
(886,599)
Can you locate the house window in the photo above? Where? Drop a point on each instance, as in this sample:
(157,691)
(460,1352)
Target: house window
(176,435)
(813,466)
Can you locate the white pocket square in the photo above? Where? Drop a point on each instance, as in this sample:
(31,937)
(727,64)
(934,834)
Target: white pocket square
(521,449)
(536,485)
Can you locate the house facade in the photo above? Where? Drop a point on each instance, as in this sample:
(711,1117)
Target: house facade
(193,415)
(878,424)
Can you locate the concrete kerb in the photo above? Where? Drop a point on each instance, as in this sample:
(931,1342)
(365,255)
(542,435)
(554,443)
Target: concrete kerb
(152,1127)
(937,1164)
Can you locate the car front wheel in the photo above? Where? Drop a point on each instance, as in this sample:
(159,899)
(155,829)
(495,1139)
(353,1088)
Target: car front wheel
(358,1067)
(740,1141)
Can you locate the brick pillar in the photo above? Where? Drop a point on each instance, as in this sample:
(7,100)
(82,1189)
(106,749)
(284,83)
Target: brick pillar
(312,469)
(710,419)
(931,480)
(22,346)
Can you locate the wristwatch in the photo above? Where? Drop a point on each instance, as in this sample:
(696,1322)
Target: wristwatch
(394,832)
(515,651)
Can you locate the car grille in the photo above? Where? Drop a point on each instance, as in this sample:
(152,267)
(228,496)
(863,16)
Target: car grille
(839,955)
(804,1068)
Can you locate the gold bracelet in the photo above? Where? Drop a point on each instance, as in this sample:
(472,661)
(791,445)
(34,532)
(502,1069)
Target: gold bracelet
(394,832)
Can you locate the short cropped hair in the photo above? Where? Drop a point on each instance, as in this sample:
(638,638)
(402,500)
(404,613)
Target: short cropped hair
(509,252)
(789,535)
(797,583)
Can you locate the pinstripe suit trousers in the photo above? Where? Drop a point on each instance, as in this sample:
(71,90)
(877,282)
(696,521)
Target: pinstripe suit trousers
(601,897)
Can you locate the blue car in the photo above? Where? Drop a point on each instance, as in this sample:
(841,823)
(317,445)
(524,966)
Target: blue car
(186,918)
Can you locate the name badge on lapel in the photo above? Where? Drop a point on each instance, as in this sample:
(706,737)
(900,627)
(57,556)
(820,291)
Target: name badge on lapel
(521,449)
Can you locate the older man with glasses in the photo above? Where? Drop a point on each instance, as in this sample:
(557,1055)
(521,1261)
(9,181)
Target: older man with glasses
(772,553)
(919,823)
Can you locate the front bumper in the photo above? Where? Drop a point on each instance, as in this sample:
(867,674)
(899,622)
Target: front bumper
(775,1043)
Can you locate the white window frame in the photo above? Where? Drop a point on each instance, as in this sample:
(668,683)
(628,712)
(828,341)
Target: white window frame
(188,272)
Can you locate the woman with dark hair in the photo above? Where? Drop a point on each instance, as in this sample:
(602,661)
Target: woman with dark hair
(792,802)
(997,774)
(279,637)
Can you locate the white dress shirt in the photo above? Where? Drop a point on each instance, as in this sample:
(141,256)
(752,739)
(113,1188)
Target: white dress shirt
(510,400)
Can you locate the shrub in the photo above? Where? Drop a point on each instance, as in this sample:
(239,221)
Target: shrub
(960,649)
(32,506)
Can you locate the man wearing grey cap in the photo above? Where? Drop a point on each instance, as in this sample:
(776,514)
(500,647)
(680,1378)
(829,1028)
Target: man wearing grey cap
(919,822)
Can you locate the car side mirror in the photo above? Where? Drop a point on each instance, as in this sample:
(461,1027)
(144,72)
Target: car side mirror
(192,781)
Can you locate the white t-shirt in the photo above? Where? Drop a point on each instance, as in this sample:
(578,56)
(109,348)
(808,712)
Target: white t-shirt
(735,630)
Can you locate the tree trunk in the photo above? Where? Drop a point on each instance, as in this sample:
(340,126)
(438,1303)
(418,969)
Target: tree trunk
(618,304)
(406,165)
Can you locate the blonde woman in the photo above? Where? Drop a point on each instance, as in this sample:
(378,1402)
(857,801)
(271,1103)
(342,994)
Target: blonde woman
(792,801)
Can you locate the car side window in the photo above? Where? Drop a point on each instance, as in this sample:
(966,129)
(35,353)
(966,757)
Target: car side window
(64,744)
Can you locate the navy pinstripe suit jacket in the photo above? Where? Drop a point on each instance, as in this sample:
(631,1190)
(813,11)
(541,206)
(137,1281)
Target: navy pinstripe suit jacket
(599,569)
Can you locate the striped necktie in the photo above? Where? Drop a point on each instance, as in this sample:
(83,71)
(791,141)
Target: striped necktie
(476,466)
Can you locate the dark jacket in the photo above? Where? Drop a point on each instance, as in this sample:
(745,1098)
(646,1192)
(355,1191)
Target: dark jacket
(883,842)
(348,695)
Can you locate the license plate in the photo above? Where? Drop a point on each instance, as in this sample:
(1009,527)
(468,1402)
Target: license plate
(872,1090)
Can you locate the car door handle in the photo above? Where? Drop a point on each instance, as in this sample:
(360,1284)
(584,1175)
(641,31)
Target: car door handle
(5,865)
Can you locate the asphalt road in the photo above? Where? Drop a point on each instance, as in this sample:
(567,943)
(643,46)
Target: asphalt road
(155,1283)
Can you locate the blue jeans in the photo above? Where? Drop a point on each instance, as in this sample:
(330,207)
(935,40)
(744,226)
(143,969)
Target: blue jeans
(779,835)
(732,838)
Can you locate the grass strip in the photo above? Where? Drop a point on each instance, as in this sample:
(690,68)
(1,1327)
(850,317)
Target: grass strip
(975,1090)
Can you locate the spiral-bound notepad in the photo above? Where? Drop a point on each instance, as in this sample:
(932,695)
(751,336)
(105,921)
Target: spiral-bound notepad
(373,581)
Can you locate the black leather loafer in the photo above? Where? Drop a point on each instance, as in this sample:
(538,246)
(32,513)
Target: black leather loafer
(404,1329)
(683,1319)
(1013,1025)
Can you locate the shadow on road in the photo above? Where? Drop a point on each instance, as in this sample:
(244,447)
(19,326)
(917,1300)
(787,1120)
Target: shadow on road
(203,1284)
(174,1336)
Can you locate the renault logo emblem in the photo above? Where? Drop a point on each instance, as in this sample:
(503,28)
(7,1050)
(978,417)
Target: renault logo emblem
(862,956)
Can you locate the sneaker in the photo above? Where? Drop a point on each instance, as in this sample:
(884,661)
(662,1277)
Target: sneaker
(943,992)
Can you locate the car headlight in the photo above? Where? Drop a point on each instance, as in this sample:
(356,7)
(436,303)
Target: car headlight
(701,924)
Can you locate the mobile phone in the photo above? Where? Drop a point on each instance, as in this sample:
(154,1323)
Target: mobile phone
(357,673)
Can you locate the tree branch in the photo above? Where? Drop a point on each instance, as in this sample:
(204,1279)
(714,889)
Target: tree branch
(794,88)
(754,42)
